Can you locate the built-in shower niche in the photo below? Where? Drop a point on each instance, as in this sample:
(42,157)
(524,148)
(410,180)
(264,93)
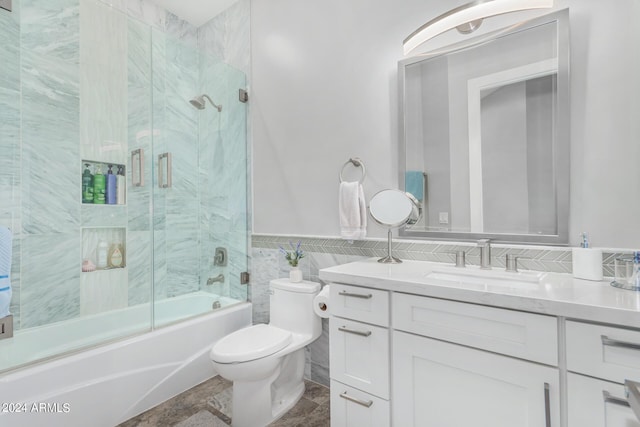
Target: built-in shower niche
(99,188)
(103,248)
(104,278)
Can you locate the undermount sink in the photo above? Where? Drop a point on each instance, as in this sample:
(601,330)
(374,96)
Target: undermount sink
(485,277)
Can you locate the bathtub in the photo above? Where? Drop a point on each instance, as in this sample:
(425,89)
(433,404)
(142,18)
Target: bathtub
(108,384)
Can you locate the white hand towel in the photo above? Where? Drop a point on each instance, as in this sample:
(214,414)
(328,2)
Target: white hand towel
(353,211)
(6,246)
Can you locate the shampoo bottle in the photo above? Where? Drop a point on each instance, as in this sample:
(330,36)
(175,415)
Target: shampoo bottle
(121,186)
(87,185)
(99,187)
(115,258)
(111,187)
(102,252)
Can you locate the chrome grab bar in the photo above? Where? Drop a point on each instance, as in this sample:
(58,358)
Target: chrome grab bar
(547,405)
(616,343)
(365,403)
(350,294)
(353,331)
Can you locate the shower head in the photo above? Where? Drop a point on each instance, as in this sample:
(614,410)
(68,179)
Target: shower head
(199,103)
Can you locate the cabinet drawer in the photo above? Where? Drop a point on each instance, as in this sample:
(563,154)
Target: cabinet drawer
(359,355)
(598,403)
(523,335)
(605,352)
(362,304)
(351,407)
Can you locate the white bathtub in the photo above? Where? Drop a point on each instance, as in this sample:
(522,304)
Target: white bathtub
(109,384)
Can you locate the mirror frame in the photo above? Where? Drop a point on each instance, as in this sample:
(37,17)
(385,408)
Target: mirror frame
(561,147)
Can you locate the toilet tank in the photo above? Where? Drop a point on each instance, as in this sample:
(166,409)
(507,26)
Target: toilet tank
(291,306)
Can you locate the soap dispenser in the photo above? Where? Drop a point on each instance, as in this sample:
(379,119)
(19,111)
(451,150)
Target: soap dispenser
(111,187)
(99,187)
(87,185)
(586,261)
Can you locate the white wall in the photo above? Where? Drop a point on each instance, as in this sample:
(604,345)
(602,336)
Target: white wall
(324,89)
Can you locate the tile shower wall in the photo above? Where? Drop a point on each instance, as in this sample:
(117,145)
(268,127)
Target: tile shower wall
(76,84)
(268,264)
(10,177)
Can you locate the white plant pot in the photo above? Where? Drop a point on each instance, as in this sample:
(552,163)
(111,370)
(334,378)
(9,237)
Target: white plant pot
(295,275)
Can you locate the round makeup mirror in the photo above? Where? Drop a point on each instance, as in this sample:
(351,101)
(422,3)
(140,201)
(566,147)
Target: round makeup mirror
(393,208)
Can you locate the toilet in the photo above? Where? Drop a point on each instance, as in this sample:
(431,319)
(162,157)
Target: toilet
(266,362)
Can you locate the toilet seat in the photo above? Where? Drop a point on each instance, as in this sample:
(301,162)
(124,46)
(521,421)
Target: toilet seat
(254,342)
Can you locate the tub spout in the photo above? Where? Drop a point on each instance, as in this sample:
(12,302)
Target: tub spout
(218,279)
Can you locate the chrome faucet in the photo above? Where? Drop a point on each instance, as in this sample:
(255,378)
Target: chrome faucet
(485,253)
(218,278)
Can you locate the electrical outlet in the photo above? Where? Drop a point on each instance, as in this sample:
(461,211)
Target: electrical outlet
(443,218)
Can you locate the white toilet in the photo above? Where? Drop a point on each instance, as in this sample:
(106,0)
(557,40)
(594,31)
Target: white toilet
(266,362)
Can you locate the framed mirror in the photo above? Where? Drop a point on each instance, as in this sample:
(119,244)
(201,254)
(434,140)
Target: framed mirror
(484,135)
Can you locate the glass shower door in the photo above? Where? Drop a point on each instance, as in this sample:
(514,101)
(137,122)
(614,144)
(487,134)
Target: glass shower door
(200,181)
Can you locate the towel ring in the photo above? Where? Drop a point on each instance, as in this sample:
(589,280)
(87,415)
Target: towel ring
(355,161)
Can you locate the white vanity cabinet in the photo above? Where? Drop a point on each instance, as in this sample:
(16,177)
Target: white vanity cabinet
(600,358)
(408,349)
(439,380)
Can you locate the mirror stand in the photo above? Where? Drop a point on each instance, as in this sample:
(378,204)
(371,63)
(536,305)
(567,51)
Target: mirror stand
(389,259)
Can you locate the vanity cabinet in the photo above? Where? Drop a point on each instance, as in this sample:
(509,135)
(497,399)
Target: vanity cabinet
(600,358)
(439,379)
(412,353)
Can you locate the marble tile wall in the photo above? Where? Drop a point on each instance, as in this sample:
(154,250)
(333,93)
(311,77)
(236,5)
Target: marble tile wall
(10,144)
(83,74)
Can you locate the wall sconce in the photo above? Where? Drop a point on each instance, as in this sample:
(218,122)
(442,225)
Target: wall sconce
(467,18)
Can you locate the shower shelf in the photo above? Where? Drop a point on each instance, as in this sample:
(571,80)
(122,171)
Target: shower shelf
(88,188)
(104,248)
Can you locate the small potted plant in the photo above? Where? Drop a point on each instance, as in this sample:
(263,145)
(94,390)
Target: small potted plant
(293,257)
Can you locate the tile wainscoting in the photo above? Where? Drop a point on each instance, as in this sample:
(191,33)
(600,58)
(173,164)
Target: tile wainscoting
(322,252)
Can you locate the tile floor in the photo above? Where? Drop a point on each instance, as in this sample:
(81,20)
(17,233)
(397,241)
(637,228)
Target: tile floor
(209,405)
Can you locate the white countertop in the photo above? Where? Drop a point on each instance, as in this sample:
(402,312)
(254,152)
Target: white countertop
(556,294)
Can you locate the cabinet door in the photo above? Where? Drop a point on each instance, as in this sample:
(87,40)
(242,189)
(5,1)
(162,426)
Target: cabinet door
(351,407)
(597,403)
(447,385)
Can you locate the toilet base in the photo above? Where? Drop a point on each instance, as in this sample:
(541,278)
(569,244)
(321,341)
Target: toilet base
(259,403)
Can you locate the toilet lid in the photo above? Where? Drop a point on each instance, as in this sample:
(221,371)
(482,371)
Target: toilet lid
(250,343)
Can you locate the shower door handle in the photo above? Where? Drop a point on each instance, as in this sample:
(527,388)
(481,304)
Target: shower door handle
(164,170)
(137,168)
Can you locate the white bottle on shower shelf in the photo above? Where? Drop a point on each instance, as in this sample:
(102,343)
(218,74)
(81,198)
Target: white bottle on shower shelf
(102,252)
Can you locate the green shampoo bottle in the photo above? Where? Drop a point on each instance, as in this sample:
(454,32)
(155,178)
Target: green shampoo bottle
(87,185)
(99,185)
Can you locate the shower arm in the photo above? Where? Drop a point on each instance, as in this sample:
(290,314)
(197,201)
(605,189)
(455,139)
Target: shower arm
(219,107)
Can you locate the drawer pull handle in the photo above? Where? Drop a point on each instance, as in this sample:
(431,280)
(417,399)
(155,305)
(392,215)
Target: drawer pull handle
(633,396)
(353,331)
(615,343)
(365,403)
(609,398)
(351,294)
(547,405)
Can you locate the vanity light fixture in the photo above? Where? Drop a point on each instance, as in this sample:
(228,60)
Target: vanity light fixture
(468,17)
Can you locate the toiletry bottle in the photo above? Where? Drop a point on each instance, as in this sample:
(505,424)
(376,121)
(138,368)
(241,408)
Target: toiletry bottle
(111,187)
(635,279)
(99,186)
(121,186)
(102,252)
(115,258)
(87,185)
